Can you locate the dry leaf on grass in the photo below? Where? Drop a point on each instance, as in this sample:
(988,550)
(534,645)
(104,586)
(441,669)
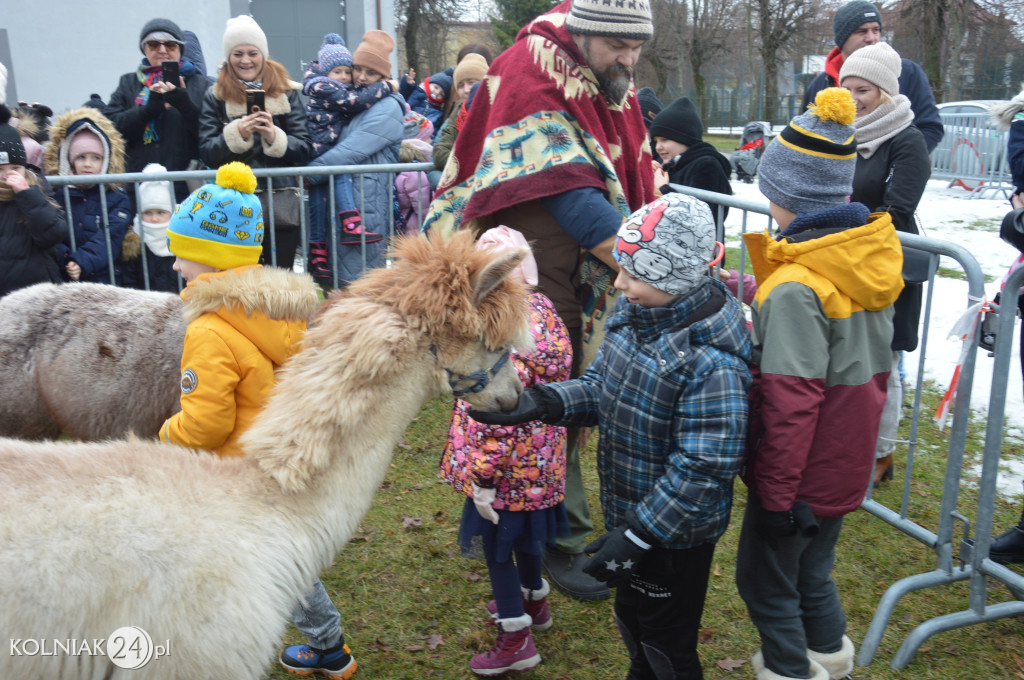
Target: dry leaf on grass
(706,636)
(434,640)
(471,577)
(409,522)
(728,664)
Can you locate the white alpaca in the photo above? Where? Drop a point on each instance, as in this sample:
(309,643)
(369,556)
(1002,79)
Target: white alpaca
(210,553)
(95,361)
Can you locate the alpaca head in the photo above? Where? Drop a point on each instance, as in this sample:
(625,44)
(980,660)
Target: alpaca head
(467,307)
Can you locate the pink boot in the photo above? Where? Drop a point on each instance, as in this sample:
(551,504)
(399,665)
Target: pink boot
(352,231)
(514,650)
(535,603)
(319,265)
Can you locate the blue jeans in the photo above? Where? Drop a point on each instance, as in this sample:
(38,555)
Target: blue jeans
(318,619)
(320,205)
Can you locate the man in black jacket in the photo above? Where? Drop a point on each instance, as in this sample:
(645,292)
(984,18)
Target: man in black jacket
(858,24)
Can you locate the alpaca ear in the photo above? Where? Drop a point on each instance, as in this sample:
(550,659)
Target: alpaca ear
(488,278)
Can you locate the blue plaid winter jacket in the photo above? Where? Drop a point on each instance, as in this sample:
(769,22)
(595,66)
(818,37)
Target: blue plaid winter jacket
(671,404)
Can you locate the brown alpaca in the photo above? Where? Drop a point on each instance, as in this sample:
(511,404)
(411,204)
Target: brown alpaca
(212,553)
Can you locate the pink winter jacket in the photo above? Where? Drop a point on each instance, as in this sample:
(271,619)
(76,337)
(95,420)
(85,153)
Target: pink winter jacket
(526,462)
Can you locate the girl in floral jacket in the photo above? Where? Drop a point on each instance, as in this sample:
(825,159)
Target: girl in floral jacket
(514,478)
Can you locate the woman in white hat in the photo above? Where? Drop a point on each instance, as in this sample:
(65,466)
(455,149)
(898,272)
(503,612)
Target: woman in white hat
(275,137)
(893,168)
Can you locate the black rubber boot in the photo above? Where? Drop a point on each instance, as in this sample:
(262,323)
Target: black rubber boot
(1008,546)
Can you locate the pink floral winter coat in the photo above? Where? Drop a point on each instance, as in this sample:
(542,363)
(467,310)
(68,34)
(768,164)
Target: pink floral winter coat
(525,462)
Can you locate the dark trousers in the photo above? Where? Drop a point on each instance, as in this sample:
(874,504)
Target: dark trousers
(659,612)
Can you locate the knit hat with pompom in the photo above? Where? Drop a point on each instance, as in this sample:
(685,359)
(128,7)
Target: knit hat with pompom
(333,53)
(220,224)
(809,165)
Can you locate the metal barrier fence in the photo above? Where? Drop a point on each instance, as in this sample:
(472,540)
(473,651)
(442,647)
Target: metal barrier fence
(972,154)
(62,183)
(972,563)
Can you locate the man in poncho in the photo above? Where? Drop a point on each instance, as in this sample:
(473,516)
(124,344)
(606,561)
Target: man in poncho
(555,147)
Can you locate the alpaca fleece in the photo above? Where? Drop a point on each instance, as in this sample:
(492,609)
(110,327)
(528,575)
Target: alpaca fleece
(213,553)
(96,361)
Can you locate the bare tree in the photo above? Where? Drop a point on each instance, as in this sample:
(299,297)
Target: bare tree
(778,22)
(706,40)
(424,26)
(661,54)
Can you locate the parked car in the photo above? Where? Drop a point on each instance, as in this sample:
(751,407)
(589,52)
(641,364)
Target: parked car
(973,150)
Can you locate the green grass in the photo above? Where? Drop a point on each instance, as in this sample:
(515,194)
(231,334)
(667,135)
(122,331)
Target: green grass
(412,606)
(726,143)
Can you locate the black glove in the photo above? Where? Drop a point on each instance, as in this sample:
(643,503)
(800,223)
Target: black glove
(773,525)
(536,403)
(616,555)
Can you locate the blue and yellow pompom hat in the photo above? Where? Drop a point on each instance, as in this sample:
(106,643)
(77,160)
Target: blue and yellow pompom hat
(220,224)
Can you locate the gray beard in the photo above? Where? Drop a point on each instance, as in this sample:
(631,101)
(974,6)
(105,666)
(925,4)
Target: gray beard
(614,82)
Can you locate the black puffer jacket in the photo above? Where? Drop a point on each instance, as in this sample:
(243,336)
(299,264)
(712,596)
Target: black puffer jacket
(701,167)
(177,127)
(30,226)
(220,142)
(893,180)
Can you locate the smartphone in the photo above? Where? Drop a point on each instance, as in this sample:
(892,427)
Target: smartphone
(171,74)
(254,100)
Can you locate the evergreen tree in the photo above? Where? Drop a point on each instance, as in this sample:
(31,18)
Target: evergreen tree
(513,15)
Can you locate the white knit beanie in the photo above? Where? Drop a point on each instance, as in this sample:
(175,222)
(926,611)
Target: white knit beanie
(630,20)
(879,64)
(243,30)
(155,194)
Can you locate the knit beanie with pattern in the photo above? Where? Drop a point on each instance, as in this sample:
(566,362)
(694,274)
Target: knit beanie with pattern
(375,52)
(680,122)
(160,29)
(630,19)
(220,224)
(443,80)
(809,165)
(333,53)
(668,243)
(852,16)
(879,64)
(243,30)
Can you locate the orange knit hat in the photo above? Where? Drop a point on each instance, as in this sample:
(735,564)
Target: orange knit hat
(375,52)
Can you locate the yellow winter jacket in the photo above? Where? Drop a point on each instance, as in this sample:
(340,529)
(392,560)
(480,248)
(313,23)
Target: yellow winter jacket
(242,325)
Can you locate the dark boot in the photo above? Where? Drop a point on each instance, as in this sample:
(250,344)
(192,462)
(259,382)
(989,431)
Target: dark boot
(352,230)
(566,574)
(319,265)
(1008,546)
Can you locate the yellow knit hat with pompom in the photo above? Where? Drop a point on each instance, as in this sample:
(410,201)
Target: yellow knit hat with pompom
(220,224)
(809,166)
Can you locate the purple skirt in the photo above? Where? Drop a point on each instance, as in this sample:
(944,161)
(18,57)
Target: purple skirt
(528,532)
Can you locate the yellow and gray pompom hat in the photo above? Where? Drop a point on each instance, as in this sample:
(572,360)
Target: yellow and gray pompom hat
(809,166)
(220,224)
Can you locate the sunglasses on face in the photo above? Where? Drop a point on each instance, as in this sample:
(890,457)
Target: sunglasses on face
(166,44)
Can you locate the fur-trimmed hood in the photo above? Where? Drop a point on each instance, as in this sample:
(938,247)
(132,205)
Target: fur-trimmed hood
(247,297)
(70,123)
(1002,114)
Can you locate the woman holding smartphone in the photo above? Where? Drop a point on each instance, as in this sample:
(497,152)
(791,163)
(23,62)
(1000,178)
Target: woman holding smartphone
(159,116)
(230,129)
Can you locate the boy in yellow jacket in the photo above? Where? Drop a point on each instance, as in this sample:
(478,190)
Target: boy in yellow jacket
(244,320)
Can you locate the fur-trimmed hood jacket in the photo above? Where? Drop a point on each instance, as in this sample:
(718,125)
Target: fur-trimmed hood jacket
(243,324)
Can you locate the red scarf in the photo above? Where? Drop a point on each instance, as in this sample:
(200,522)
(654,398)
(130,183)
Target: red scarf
(540,126)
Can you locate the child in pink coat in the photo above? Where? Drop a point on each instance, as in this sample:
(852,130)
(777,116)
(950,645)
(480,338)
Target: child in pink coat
(514,480)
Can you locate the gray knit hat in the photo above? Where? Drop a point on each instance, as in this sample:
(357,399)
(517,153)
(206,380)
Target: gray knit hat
(631,20)
(879,64)
(852,16)
(161,29)
(668,243)
(809,166)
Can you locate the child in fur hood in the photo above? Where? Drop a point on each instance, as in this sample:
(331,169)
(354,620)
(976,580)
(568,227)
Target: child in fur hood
(84,142)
